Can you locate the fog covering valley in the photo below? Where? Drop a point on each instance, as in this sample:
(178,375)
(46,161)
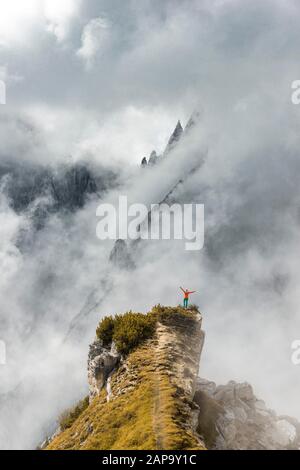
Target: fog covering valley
(59,161)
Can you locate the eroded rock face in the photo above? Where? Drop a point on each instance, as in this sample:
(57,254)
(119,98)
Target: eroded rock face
(144,162)
(153,158)
(180,343)
(231,417)
(174,139)
(101,362)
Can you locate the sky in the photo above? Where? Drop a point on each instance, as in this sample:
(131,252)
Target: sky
(86,73)
(107,81)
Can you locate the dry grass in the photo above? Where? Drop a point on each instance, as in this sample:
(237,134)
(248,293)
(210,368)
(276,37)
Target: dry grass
(143,415)
(68,417)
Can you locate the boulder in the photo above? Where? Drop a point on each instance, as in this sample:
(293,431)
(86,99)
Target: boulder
(101,362)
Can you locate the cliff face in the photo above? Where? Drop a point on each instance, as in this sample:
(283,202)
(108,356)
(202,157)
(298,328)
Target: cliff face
(179,345)
(153,398)
(147,403)
(101,362)
(40,191)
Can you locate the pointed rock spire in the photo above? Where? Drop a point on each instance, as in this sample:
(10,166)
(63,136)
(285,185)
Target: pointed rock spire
(176,134)
(153,158)
(144,162)
(192,122)
(175,137)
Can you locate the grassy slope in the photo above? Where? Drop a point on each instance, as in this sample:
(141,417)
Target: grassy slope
(145,412)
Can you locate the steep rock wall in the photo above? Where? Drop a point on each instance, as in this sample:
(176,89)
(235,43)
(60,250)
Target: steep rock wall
(150,403)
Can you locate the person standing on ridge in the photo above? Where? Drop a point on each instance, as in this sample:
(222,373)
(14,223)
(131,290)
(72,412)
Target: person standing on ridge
(186,293)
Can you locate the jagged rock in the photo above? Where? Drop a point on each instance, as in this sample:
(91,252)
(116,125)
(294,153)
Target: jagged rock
(287,432)
(120,256)
(240,414)
(63,187)
(206,385)
(174,139)
(101,362)
(165,367)
(48,440)
(70,189)
(193,121)
(153,158)
(180,343)
(231,417)
(40,191)
(150,391)
(244,392)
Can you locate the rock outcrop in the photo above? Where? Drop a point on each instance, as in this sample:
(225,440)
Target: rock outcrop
(153,398)
(144,162)
(101,362)
(193,121)
(231,417)
(172,142)
(153,158)
(40,191)
(148,401)
(180,341)
(174,139)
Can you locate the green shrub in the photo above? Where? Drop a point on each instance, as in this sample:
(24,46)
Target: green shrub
(131,329)
(127,331)
(68,417)
(162,312)
(105,330)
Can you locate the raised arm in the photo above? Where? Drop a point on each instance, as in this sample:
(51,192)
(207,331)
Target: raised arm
(182,289)
(192,291)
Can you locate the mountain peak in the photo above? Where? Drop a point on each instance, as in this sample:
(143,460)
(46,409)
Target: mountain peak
(143,382)
(175,137)
(153,158)
(146,391)
(178,129)
(194,119)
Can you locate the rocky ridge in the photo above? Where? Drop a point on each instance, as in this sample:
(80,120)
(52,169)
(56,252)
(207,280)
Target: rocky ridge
(159,401)
(150,391)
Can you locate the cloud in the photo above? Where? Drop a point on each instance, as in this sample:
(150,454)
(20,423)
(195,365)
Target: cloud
(168,56)
(94,39)
(16,21)
(153,63)
(21,24)
(59,15)
(10,257)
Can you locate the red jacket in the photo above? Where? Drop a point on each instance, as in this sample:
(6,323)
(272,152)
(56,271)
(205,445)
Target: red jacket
(187,292)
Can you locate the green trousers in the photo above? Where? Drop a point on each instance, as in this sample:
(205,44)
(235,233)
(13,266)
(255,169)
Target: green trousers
(185,302)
